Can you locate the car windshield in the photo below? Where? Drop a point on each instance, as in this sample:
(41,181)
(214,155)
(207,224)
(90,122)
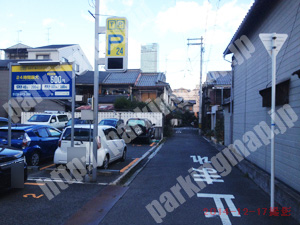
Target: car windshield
(39,118)
(15,134)
(80,134)
(136,122)
(76,121)
(108,122)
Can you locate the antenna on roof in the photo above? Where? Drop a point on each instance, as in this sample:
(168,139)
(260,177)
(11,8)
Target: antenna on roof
(18,31)
(48,35)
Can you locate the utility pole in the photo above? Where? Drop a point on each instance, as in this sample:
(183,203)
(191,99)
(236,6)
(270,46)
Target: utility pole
(96,90)
(200,86)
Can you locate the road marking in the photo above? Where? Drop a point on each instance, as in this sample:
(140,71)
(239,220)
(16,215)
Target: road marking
(47,166)
(217,199)
(37,184)
(153,143)
(130,164)
(33,195)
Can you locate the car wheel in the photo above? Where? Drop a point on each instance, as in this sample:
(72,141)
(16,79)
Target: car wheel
(35,159)
(105,162)
(124,155)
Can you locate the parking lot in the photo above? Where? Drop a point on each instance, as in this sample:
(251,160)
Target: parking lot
(104,177)
(32,202)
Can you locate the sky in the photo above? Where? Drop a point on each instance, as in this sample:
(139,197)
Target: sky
(166,22)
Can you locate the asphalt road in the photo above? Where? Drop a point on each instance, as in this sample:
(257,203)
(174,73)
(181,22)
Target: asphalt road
(236,193)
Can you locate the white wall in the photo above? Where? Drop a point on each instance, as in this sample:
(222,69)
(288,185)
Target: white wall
(154,117)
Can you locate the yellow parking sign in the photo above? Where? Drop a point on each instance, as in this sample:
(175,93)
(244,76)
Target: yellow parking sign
(116,36)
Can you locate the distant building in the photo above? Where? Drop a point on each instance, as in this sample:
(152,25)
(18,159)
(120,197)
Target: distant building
(18,51)
(63,53)
(149,58)
(189,96)
(215,90)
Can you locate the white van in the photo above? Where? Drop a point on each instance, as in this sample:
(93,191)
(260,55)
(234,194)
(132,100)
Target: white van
(111,146)
(58,121)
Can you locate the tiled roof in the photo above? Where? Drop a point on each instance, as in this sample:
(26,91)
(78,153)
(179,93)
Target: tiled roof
(152,79)
(53,46)
(128,77)
(20,45)
(88,77)
(218,78)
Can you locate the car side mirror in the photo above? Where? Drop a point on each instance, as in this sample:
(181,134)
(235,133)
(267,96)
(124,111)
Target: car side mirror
(52,121)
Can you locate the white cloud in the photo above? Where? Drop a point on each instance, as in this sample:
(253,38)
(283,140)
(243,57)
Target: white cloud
(127,2)
(183,17)
(50,21)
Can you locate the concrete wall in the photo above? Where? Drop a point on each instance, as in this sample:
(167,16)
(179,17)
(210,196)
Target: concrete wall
(253,75)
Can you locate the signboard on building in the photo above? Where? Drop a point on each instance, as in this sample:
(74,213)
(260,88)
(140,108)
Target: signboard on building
(44,81)
(116,53)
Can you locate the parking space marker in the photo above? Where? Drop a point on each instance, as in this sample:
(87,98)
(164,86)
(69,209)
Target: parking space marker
(45,167)
(38,184)
(130,164)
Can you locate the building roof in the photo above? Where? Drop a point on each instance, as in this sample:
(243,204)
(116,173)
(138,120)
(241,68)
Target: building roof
(256,14)
(18,46)
(5,63)
(151,79)
(54,46)
(218,78)
(128,77)
(87,78)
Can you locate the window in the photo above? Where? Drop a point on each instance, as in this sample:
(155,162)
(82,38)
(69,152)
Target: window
(53,132)
(53,117)
(62,118)
(282,94)
(42,56)
(135,122)
(42,132)
(111,134)
(80,134)
(39,118)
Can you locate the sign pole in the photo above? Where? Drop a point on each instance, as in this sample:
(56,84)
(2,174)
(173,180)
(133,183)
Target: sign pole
(96,90)
(273,53)
(273,43)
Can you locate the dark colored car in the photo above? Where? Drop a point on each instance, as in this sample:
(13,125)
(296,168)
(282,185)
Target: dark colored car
(38,142)
(77,121)
(9,157)
(140,129)
(116,123)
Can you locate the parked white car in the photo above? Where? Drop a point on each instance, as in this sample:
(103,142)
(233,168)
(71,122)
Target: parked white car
(110,146)
(58,121)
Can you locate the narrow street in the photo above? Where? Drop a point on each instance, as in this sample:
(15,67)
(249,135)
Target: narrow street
(239,200)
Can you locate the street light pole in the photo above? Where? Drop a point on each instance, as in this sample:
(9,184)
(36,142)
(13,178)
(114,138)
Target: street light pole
(200,85)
